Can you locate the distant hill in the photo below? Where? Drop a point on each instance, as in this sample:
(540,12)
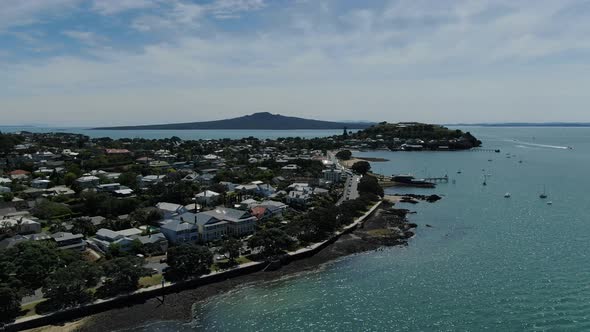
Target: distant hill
(262,120)
(525,124)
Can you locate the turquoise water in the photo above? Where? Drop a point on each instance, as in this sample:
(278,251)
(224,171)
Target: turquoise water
(183,134)
(488,263)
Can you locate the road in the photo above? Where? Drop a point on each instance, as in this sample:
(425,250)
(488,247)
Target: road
(350,189)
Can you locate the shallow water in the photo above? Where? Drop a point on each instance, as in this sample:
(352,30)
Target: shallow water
(489,262)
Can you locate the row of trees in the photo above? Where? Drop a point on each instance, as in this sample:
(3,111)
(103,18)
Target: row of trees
(66,277)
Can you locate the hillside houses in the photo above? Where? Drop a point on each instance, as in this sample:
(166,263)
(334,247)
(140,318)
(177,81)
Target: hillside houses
(204,191)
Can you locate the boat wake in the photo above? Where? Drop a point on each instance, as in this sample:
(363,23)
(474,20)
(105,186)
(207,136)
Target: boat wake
(527,144)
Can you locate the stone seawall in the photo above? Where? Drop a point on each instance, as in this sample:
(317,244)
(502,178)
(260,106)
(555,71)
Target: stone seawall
(142,295)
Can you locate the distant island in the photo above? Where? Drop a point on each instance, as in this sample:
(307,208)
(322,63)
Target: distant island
(263,120)
(524,124)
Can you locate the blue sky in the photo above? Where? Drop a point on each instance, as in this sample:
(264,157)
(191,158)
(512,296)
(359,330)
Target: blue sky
(108,62)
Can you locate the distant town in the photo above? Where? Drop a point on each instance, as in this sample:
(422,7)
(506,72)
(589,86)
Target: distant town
(83,219)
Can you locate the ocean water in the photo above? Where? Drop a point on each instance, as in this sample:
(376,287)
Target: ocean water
(183,134)
(488,263)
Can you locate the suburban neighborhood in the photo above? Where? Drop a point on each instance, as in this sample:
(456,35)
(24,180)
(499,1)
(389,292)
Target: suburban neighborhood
(109,209)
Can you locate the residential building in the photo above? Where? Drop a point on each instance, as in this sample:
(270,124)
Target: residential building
(88,181)
(104,238)
(207,197)
(170,210)
(332,175)
(22,225)
(65,240)
(157,240)
(180,231)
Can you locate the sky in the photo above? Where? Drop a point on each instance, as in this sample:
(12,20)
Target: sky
(124,62)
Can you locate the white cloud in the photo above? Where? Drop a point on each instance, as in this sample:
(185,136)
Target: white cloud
(109,7)
(86,37)
(14,13)
(232,8)
(409,60)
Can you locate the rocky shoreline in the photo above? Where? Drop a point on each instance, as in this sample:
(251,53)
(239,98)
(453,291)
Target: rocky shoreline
(387,227)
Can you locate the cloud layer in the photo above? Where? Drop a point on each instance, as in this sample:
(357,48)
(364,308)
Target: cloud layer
(152,61)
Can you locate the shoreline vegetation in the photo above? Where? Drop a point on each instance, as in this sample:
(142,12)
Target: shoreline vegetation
(387,226)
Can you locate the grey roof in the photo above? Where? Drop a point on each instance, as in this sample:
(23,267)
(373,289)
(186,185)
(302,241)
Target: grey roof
(228,214)
(179,226)
(273,203)
(108,234)
(65,236)
(129,232)
(171,207)
(154,238)
(96,220)
(12,241)
(198,218)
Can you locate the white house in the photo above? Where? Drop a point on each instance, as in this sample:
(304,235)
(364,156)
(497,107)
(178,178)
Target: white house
(180,231)
(207,197)
(124,238)
(22,225)
(170,210)
(89,181)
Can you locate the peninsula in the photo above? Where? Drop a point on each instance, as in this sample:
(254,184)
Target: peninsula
(262,120)
(118,221)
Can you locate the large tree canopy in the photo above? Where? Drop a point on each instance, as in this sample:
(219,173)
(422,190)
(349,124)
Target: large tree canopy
(188,261)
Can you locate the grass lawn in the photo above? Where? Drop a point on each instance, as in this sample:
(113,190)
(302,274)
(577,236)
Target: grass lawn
(30,308)
(380,232)
(154,280)
(217,266)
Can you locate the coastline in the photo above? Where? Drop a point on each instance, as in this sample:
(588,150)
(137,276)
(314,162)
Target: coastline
(178,306)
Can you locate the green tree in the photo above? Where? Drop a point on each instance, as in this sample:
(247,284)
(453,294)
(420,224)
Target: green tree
(70,178)
(128,179)
(187,261)
(115,251)
(7,197)
(230,248)
(122,276)
(83,226)
(271,241)
(361,167)
(49,210)
(68,286)
(33,261)
(9,304)
(137,247)
(147,216)
(344,155)
(370,184)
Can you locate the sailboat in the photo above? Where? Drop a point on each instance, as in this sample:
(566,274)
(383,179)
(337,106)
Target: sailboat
(543,195)
(485,180)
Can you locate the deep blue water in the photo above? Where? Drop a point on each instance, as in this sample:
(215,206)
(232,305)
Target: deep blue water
(183,134)
(488,263)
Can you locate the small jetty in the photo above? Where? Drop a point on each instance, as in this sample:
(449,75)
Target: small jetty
(443,179)
(391,181)
(485,150)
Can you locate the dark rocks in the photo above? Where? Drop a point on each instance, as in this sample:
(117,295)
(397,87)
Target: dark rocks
(414,198)
(433,198)
(407,199)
